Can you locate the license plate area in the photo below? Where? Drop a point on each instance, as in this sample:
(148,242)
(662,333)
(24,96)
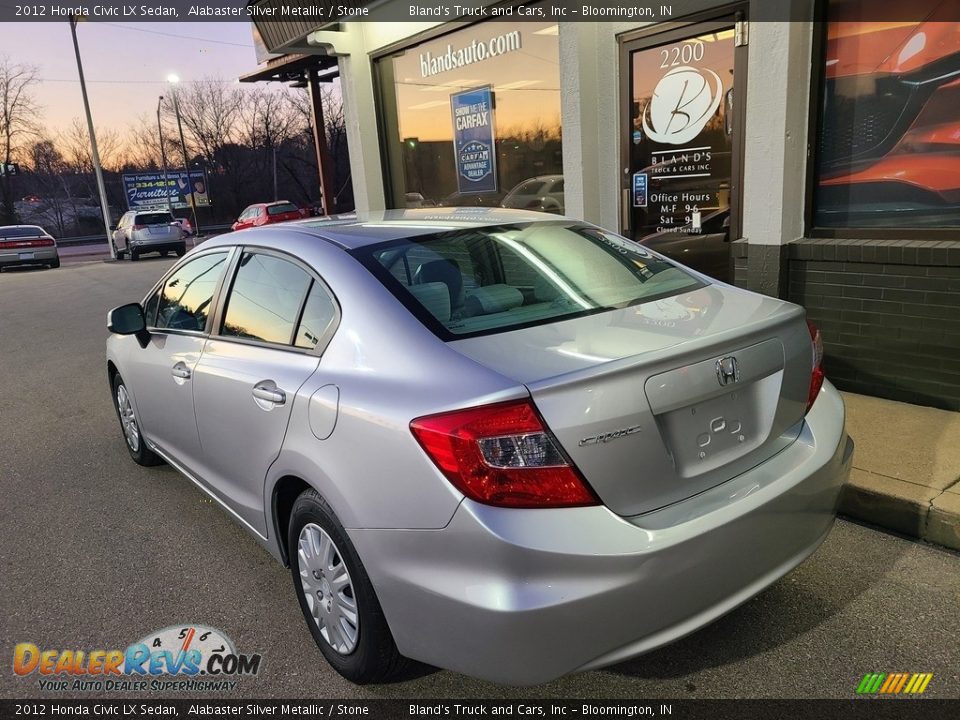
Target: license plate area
(709,434)
(28,256)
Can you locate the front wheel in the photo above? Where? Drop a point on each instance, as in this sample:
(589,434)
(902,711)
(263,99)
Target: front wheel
(337,599)
(141,454)
(134,254)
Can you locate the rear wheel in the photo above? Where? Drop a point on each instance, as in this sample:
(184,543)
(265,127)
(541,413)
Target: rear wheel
(163,253)
(337,599)
(55,264)
(181,251)
(134,254)
(117,252)
(141,454)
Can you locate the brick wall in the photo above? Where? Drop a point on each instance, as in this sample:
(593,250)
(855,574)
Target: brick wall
(889,311)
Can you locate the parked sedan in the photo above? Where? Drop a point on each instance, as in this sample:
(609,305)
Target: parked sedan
(494,441)
(267,214)
(27,245)
(140,232)
(544,193)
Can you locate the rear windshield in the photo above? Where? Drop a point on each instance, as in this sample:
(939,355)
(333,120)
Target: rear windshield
(493,279)
(21,231)
(159,218)
(282,208)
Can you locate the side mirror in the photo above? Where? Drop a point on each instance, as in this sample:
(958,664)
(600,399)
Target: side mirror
(129,320)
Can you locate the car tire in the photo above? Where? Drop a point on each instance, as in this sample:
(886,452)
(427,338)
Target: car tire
(181,251)
(55,264)
(134,255)
(370,655)
(133,439)
(117,252)
(163,253)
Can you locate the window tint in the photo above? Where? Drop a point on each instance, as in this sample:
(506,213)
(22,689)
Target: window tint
(160,218)
(187,294)
(21,231)
(265,299)
(522,275)
(318,313)
(282,208)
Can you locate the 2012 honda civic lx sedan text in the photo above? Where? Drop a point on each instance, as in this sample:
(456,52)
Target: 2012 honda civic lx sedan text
(494,441)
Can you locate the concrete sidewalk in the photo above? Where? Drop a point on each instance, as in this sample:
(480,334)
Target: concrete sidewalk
(906,468)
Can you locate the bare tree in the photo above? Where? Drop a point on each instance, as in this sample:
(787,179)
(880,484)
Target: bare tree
(49,173)
(74,143)
(18,121)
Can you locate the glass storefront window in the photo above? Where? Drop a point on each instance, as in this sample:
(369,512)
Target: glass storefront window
(473,118)
(889,127)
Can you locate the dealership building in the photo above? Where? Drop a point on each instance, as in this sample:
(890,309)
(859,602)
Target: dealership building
(815,159)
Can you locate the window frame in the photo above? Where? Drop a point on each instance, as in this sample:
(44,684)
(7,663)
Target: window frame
(817,86)
(216,329)
(214,302)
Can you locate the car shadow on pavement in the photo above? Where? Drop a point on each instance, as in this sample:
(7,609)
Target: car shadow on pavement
(790,608)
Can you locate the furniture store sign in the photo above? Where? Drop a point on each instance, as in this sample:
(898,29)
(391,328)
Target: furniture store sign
(473,140)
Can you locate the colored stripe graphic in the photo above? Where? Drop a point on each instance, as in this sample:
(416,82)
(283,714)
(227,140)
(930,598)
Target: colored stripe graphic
(894,683)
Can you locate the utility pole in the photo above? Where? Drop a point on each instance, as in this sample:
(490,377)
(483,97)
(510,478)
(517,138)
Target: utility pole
(94,153)
(163,159)
(173,79)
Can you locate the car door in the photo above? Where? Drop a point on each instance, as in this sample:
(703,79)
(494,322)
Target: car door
(248,377)
(161,374)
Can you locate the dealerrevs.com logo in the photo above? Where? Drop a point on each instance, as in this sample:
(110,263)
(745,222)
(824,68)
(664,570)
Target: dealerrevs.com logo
(188,658)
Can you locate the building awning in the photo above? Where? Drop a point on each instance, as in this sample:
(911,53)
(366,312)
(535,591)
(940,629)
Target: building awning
(292,68)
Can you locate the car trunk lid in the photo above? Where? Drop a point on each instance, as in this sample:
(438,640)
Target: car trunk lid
(657,402)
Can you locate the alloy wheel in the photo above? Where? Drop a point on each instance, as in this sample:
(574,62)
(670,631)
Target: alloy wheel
(328,589)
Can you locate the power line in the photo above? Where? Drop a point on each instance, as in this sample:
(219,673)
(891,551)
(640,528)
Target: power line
(178,36)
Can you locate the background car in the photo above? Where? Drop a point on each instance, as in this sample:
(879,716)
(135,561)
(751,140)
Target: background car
(27,245)
(140,232)
(261,214)
(463,429)
(543,193)
(185,225)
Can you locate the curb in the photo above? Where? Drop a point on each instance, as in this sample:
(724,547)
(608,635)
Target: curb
(904,507)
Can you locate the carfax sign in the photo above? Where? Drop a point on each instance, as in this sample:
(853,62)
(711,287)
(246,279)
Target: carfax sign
(149,191)
(474,149)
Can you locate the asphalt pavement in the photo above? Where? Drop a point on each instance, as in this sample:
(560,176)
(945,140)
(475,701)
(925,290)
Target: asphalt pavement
(96,552)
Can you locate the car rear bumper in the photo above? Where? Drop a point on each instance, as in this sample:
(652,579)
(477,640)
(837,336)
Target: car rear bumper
(524,596)
(145,246)
(41,256)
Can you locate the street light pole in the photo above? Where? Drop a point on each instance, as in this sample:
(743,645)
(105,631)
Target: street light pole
(163,159)
(173,79)
(94,153)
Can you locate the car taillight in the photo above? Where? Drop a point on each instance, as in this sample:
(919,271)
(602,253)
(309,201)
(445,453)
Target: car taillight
(502,455)
(31,243)
(816,376)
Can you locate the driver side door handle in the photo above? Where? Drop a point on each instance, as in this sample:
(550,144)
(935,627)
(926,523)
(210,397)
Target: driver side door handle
(180,371)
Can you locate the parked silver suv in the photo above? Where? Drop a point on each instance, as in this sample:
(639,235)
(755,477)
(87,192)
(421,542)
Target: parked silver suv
(140,232)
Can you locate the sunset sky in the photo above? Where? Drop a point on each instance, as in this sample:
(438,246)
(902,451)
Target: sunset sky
(125,64)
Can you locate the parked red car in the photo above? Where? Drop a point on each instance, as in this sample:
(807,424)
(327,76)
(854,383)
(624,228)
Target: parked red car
(267,214)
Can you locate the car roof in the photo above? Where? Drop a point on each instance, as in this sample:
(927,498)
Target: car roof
(358,230)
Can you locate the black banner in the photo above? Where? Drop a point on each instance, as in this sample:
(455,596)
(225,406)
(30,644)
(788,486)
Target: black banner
(859,709)
(315,14)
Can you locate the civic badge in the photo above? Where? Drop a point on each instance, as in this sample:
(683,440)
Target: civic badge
(727,370)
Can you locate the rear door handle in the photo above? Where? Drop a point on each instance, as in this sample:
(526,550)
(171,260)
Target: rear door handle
(270,394)
(180,370)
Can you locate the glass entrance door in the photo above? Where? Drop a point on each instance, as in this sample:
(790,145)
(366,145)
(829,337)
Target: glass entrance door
(681,150)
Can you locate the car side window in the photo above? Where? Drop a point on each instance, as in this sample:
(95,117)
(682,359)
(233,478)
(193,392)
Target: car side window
(265,299)
(186,296)
(150,309)
(318,314)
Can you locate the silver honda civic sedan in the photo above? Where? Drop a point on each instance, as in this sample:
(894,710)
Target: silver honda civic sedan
(499,442)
